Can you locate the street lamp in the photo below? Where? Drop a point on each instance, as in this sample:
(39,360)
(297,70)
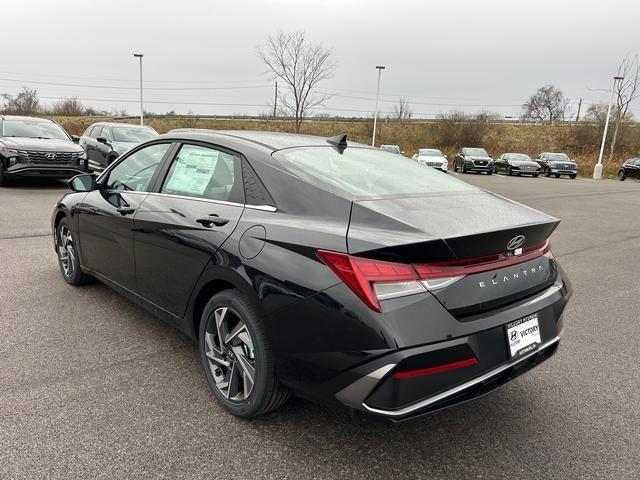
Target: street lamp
(375,114)
(597,170)
(139,56)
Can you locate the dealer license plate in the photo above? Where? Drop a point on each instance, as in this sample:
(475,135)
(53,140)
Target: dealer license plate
(523,335)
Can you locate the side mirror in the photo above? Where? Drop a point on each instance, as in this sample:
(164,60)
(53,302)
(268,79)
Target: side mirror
(102,140)
(85,182)
(75,138)
(446,156)
(402,152)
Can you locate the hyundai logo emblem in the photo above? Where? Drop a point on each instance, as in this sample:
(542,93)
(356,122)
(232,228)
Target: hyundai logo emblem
(515,242)
(50,156)
(514,335)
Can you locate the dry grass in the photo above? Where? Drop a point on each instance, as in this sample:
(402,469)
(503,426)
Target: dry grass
(580,142)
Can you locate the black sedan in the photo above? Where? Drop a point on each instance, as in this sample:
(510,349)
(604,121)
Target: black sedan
(517,164)
(321,267)
(473,160)
(629,169)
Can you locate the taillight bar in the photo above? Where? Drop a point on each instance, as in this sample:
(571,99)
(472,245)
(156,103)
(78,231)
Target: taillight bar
(374,280)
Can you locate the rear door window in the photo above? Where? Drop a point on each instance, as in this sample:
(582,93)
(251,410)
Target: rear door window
(204,172)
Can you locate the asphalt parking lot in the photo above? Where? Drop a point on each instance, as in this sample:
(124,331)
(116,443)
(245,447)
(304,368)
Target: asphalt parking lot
(91,386)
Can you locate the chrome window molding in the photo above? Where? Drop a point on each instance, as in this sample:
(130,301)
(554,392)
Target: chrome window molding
(266,208)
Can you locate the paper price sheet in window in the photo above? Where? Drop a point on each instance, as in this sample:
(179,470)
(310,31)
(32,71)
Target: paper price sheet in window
(193,172)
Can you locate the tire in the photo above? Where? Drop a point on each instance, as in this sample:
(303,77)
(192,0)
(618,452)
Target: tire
(489,172)
(111,159)
(547,172)
(248,353)
(535,175)
(463,168)
(509,171)
(4,182)
(68,258)
(557,175)
(621,176)
(572,177)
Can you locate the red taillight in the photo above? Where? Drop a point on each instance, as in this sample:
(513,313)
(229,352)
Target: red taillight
(375,280)
(437,369)
(359,274)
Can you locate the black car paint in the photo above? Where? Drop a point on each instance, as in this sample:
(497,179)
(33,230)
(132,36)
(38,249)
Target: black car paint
(508,165)
(324,338)
(100,148)
(630,169)
(23,164)
(472,163)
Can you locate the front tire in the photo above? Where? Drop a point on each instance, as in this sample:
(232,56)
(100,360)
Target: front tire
(237,357)
(621,176)
(68,258)
(572,176)
(509,171)
(547,172)
(4,181)
(557,175)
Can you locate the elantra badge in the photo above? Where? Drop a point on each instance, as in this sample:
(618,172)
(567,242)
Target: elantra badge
(515,243)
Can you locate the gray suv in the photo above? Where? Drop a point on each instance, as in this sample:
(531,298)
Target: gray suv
(103,142)
(37,147)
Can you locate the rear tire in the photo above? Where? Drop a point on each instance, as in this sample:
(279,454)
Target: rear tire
(237,358)
(4,181)
(68,258)
(621,176)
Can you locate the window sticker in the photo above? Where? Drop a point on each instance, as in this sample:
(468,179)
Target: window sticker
(192,171)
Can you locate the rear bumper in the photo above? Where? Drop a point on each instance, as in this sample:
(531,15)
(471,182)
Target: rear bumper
(378,391)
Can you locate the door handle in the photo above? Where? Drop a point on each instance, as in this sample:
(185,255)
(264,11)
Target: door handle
(212,220)
(125,210)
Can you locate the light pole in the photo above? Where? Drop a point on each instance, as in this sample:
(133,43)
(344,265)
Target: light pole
(375,114)
(139,56)
(597,170)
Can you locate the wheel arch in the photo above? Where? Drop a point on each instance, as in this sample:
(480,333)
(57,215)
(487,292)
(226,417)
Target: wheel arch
(213,281)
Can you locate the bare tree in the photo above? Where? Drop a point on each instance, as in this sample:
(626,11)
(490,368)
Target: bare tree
(25,103)
(625,93)
(301,66)
(402,111)
(69,106)
(548,104)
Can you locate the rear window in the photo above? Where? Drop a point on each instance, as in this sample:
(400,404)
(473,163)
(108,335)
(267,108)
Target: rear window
(366,172)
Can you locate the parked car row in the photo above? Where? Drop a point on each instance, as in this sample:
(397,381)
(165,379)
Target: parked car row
(478,160)
(39,147)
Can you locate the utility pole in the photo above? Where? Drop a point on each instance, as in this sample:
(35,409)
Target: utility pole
(375,114)
(597,170)
(275,103)
(578,114)
(139,56)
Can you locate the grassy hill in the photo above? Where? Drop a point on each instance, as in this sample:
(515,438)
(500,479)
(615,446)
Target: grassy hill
(580,142)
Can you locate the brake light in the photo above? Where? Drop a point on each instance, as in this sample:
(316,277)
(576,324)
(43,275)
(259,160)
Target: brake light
(360,275)
(375,280)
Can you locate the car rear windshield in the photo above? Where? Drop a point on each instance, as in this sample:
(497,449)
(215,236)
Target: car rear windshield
(366,172)
(429,153)
(476,152)
(133,134)
(33,129)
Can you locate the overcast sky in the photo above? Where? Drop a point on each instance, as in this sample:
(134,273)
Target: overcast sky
(443,55)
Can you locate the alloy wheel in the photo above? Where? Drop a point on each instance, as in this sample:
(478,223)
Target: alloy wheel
(66,251)
(230,352)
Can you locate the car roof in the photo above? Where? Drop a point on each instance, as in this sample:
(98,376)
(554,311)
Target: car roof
(25,117)
(271,141)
